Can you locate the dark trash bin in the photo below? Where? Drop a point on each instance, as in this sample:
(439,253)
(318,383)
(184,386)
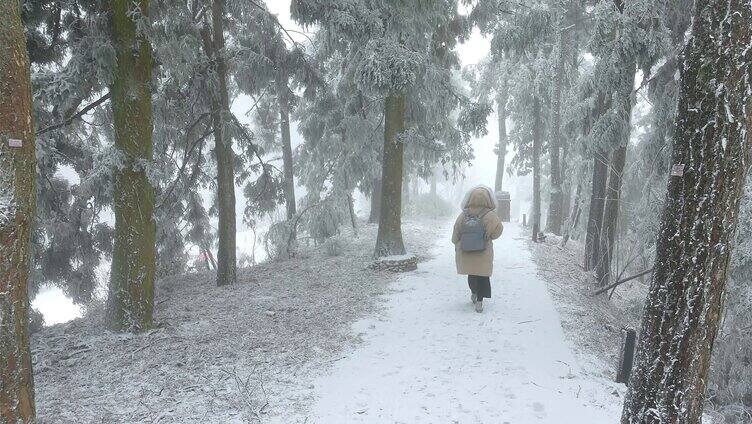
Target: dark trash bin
(504,205)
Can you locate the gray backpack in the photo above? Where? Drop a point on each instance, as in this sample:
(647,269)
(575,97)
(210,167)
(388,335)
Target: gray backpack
(473,234)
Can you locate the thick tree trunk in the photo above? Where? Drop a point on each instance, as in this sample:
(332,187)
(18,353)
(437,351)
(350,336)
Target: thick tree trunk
(284,123)
(553,220)
(501,149)
(130,302)
(226,250)
(712,144)
(373,216)
(389,238)
(536,168)
(17,209)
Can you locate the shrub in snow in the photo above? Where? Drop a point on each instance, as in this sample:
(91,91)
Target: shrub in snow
(280,242)
(429,205)
(323,221)
(36,321)
(334,246)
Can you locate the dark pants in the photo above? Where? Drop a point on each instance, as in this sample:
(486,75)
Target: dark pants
(481,286)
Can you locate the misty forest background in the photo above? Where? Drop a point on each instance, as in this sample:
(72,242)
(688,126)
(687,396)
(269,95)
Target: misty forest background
(624,124)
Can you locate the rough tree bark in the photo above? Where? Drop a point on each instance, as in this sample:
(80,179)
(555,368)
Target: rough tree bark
(555,204)
(214,44)
(17,209)
(389,238)
(536,168)
(130,300)
(712,140)
(284,123)
(501,149)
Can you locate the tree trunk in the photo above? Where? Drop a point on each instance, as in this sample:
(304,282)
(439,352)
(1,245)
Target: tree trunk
(349,199)
(284,123)
(712,142)
(389,238)
(351,210)
(373,216)
(536,168)
(553,220)
(501,149)
(406,192)
(610,216)
(623,103)
(17,209)
(130,301)
(595,216)
(433,183)
(574,217)
(220,101)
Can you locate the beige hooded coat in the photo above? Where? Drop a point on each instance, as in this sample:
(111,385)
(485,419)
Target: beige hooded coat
(478,201)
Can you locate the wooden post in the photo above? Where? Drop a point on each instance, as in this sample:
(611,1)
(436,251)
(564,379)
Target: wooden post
(626,357)
(524,220)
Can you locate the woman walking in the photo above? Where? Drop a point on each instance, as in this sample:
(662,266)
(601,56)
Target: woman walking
(473,235)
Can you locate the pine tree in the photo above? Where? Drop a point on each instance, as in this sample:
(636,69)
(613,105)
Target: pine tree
(214,47)
(130,302)
(711,153)
(17,204)
(399,55)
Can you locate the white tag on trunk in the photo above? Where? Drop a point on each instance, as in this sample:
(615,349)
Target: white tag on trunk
(14,142)
(677,170)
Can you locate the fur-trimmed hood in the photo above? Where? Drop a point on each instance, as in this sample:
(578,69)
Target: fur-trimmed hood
(479,199)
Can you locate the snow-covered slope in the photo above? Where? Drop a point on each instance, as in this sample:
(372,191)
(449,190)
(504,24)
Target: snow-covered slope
(225,355)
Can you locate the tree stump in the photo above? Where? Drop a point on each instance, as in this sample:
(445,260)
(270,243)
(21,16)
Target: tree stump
(402,263)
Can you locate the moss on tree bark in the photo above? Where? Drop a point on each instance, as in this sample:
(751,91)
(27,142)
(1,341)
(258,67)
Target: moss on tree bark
(130,301)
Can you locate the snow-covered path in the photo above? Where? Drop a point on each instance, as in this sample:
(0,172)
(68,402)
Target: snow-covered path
(432,359)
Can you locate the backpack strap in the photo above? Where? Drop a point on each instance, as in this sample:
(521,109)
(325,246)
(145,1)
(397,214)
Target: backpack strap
(467,213)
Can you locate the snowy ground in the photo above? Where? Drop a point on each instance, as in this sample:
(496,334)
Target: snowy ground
(592,324)
(429,358)
(321,339)
(219,355)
